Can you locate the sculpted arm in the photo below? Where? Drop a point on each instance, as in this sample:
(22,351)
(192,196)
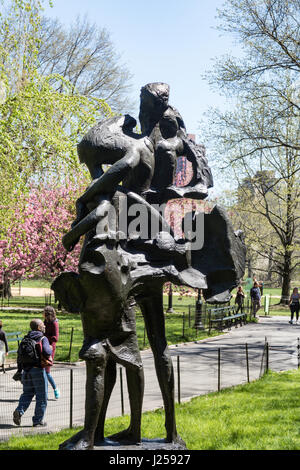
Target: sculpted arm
(107,183)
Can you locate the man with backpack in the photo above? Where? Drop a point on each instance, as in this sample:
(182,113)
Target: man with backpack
(33,354)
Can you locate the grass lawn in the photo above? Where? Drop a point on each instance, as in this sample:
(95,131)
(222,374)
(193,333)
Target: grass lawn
(180,304)
(19,321)
(274,292)
(281,310)
(33,283)
(262,415)
(46,283)
(30,302)
(175,330)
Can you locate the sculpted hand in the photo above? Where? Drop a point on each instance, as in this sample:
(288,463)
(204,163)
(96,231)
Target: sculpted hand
(69,242)
(81,212)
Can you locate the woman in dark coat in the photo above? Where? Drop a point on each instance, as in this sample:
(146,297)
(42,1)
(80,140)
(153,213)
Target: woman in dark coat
(52,333)
(239,299)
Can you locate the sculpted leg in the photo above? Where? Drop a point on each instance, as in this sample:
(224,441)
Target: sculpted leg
(153,313)
(109,381)
(135,383)
(84,440)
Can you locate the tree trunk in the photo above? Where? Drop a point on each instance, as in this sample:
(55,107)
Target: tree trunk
(286,279)
(270,264)
(287,266)
(5,289)
(250,271)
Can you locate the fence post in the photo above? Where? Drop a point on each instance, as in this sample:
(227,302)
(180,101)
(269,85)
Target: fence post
(267,357)
(71,342)
(71,399)
(183,324)
(267,306)
(247,363)
(178,378)
(219,369)
(122,393)
(298,347)
(170,300)
(249,309)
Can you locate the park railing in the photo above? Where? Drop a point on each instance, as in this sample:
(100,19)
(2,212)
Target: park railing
(214,369)
(27,302)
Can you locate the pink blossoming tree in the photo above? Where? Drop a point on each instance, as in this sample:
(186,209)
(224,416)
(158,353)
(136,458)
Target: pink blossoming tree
(32,246)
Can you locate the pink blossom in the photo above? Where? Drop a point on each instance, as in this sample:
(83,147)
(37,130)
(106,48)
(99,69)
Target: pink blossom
(32,245)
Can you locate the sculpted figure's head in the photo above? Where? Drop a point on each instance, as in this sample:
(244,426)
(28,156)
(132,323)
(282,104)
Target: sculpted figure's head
(154,102)
(168,124)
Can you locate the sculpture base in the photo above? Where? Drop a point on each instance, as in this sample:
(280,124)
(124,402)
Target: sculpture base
(146,444)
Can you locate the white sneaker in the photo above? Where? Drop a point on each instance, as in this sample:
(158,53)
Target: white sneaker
(291,322)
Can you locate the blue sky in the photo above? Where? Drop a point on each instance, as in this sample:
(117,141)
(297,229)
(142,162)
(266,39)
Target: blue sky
(170,41)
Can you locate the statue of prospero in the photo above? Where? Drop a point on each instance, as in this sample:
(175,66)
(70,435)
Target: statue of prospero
(125,260)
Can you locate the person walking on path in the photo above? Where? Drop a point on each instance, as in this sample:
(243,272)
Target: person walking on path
(239,299)
(52,334)
(294,305)
(255,298)
(3,346)
(33,352)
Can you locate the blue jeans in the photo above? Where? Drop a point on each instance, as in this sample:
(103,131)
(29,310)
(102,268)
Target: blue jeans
(51,380)
(35,383)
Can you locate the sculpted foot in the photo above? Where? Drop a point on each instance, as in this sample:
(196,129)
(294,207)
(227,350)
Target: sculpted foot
(126,437)
(80,441)
(176,439)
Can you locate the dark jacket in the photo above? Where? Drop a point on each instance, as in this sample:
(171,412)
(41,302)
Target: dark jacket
(46,348)
(255,293)
(3,338)
(52,331)
(239,298)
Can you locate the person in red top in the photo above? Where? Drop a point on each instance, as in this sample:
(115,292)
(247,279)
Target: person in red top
(3,346)
(52,333)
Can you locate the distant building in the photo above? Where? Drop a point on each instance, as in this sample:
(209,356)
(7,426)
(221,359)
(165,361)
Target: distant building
(184,171)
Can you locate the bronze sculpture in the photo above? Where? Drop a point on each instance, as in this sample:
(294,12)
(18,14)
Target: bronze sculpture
(119,268)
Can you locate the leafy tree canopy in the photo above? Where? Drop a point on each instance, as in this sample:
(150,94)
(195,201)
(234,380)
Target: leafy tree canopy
(39,124)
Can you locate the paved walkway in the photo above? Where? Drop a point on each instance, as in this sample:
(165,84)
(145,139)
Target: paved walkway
(30,291)
(198,373)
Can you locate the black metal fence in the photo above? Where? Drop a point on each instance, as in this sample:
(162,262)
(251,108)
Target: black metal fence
(66,412)
(211,370)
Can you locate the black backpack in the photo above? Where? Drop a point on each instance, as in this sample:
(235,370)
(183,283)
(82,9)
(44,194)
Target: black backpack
(27,352)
